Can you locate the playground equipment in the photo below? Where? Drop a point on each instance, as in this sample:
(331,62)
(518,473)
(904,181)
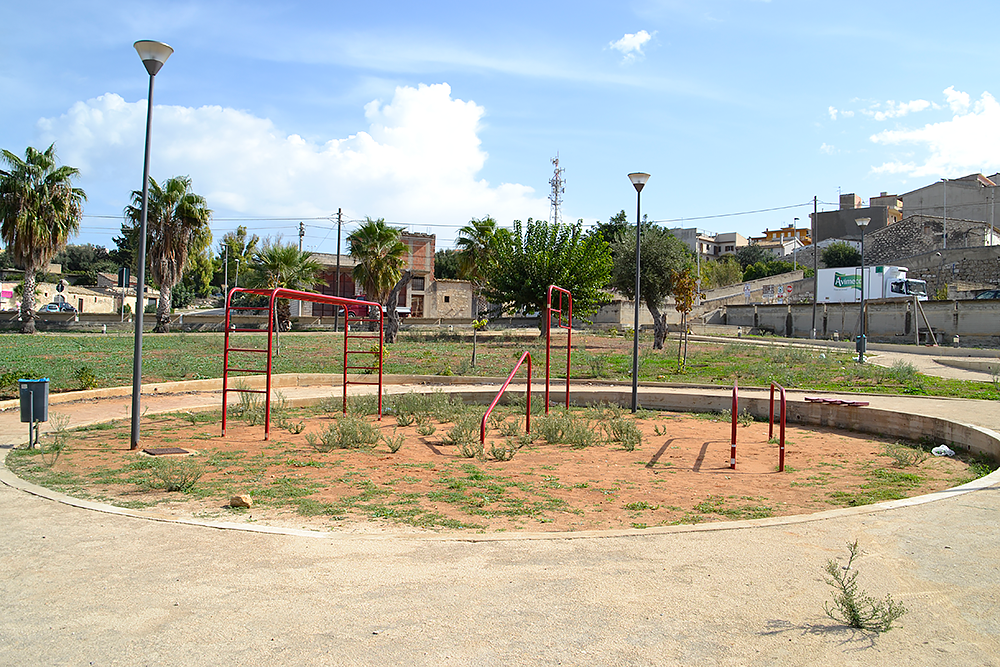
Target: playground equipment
(770,426)
(548,334)
(496,399)
(735,413)
(272,295)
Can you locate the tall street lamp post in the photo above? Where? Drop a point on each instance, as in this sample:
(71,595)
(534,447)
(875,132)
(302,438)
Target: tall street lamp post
(862,330)
(638,180)
(153,56)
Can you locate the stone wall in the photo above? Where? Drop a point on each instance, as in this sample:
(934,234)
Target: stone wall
(920,234)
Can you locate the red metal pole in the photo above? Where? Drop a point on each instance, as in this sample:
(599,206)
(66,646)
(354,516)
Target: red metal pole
(548,345)
(781,455)
(270,350)
(225,361)
(381,341)
(347,331)
(569,343)
(735,412)
(527,416)
(770,415)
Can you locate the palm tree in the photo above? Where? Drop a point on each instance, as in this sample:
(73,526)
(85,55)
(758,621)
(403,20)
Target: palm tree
(177,223)
(39,210)
(282,265)
(477,243)
(380,256)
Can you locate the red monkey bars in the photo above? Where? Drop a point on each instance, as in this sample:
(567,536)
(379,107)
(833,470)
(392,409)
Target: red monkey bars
(281,293)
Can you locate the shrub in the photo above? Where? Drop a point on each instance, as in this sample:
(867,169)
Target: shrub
(854,607)
(172,474)
(904,456)
(393,442)
(504,452)
(60,441)
(86,377)
(426,429)
(625,431)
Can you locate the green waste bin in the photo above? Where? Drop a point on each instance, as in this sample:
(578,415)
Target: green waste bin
(34,400)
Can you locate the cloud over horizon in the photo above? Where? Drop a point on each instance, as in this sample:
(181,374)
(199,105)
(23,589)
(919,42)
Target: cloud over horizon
(417,161)
(630,45)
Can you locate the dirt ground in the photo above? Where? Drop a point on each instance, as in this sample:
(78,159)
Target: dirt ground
(680,473)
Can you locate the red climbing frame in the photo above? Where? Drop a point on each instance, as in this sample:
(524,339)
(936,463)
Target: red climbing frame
(548,335)
(527,416)
(281,293)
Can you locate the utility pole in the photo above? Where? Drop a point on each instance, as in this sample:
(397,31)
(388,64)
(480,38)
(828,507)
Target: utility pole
(336,310)
(302,233)
(815,250)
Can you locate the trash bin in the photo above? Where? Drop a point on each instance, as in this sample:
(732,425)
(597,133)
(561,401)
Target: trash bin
(34,400)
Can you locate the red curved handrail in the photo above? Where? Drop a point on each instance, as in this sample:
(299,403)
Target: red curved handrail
(527,417)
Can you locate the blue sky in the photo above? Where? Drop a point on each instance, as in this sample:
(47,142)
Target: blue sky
(429,114)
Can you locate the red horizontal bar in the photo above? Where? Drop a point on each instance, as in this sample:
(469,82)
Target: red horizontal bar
(246,370)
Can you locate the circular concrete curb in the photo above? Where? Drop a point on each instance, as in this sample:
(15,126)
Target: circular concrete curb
(8,478)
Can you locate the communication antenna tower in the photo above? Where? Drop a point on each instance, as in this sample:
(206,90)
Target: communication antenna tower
(558,189)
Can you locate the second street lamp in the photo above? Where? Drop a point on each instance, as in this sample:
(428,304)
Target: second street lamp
(639,181)
(861,343)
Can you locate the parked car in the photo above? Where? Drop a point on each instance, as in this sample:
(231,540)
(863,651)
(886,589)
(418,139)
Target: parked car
(49,308)
(989,294)
(67,308)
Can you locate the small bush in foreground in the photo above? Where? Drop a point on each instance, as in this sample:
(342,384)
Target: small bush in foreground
(854,607)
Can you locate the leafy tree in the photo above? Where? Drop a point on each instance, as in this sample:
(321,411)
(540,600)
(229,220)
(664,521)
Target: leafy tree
(177,223)
(613,229)
(239,248)
(446,264)
(725,271)
(685,292)
(839,254)
(772,267)
(538,254)
(198,274)
(39,210)
(126,247)
(662,256)
(282,265)
(87,261)
(752,254)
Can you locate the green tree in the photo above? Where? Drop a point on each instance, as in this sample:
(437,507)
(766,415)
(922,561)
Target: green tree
(446,264)
(725,271)
(177,223)
(380,256)
(685,293)
(662,256)
(276,265)
(752,254)
(839,254)
(614,229)
(535,255)
(477,259)
(39,210)
(85,261)
(238,249)
(772,267)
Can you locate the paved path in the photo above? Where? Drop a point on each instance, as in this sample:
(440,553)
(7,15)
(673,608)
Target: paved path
(82,587)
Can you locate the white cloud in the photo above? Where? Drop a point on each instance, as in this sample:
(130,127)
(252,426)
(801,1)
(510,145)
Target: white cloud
(827,149)
(969,142)
(833,113)
(631,45)
(416,162)
(897,109)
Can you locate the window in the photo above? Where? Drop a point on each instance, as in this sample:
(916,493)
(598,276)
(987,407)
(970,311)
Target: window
(447,299)
(418,283)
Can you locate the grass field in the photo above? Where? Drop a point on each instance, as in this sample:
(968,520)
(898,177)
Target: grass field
(75,361)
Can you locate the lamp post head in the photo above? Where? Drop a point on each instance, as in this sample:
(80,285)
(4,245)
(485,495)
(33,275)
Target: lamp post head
(863,222)
(638,180)
(153,54)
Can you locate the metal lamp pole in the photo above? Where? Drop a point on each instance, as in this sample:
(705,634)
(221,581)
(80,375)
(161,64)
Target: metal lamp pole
(153,56)
(862,337)
(638,180)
